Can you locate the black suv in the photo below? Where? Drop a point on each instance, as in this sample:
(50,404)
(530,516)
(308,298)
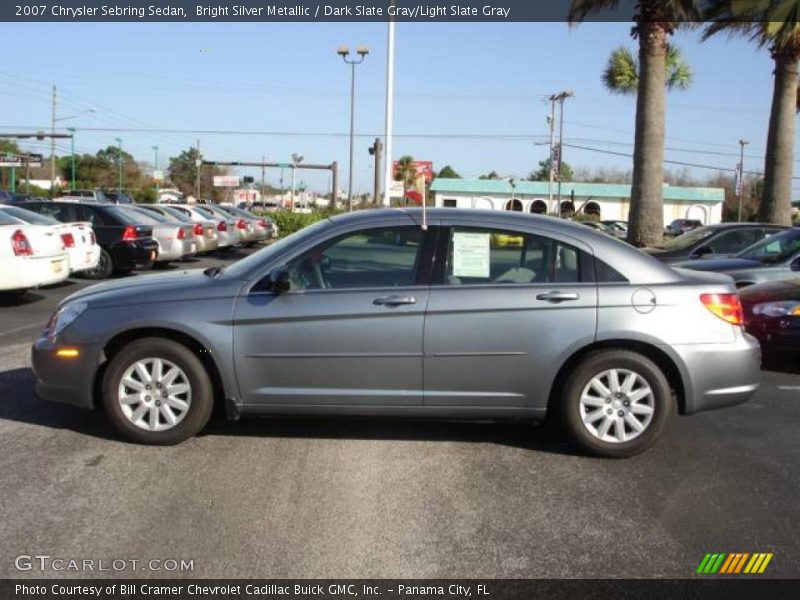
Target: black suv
(724,239)
(126,242)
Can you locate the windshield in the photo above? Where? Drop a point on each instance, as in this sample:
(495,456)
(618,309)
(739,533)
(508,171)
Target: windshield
(149,214)
(254,261)
(175,213)
(29,216)
(775,248)
(132,217)
(238,212)
(682,242)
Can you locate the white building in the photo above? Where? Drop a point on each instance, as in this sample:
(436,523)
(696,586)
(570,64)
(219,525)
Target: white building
(607,200)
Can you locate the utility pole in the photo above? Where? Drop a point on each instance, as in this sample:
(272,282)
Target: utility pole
(119,160)
(376,150)
(199,164)
(53,145)
(72,158)
(560,99)
(551,121)
(155,169)
(335,185)
(740,183)
(389,133)
(263,175)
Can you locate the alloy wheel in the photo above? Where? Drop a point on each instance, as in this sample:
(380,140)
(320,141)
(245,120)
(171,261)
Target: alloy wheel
(154,394)
(617,405)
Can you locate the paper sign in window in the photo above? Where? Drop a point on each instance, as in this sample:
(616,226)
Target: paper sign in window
(471,254)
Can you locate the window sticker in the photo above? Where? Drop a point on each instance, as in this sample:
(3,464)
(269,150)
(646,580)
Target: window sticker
(471,254)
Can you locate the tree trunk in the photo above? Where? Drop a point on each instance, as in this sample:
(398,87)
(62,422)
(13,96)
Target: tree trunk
(646,218)
(776,202)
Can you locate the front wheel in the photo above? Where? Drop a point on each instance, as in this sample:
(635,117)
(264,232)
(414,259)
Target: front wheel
(156,391)
(616,403)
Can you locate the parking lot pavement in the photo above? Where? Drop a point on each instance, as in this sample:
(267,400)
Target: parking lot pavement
(295,497)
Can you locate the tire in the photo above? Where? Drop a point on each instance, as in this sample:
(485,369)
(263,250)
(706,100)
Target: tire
(144,419)
(600,435)
(161,265)
(104,268)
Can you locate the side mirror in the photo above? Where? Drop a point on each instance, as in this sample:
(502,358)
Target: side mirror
(703,251)
(279,282)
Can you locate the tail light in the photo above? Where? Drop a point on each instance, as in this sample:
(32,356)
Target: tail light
(726,306)
(223,226)
(20,244)
(262,223)
(181,233)
(198,229)
(92,238)
(69,241)
(241,224)
(129,233)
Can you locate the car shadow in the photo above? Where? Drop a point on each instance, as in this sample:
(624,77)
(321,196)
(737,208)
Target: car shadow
(8,299)
(19,403)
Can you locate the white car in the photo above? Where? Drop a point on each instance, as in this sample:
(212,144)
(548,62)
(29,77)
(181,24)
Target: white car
(30,256)
(79,240)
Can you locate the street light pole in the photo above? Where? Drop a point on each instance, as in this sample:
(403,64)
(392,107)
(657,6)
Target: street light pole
(296,160)
(344,52)
(72,158)
(53,145)
(740,187)
(155,165)
(119,161)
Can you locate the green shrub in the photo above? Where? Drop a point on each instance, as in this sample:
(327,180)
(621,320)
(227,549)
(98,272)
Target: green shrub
(288,222)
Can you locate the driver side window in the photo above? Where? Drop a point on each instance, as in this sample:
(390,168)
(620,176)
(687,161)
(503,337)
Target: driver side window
(371,258)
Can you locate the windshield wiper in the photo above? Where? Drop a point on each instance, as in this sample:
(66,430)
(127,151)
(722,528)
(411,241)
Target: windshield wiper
(213,272)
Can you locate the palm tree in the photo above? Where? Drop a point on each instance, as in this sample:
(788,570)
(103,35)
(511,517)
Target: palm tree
(406,171)
(775,25)
(655,21)
(622,71)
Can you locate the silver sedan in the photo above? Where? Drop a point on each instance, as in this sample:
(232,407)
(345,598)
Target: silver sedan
(479,315)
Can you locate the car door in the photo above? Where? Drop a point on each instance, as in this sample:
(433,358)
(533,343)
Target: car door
(509,308)
(349,331)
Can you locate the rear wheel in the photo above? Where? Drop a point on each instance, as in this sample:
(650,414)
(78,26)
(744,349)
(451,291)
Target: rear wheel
(104,268)
(156,391)
(616,403)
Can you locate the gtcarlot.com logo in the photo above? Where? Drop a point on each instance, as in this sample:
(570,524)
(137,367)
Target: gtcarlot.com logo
(734,563)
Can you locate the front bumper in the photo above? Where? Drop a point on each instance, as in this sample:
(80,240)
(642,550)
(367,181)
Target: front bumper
(66,380)
(719,375)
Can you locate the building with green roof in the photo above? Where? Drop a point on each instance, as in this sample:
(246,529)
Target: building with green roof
(608,201)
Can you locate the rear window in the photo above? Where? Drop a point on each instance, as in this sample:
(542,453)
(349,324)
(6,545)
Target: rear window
(7,220)
(29,216)
(205,212)
(130,217)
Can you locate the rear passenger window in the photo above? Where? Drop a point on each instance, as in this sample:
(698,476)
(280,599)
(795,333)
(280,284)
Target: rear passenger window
(491,257)
(606,274)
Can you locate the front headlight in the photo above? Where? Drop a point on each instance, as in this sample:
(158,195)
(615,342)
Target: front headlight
(788,308)
(63,318)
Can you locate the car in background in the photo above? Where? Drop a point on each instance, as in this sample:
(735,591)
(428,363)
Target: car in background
(617,225)
(12,197)
(96,196)
(116,197)
(227,235)
(79,240)
(598,226)
(681,226)
(264,227)
(175,239)
(126,242)
(373,313)
(774,258)
(205,230)
(724,239)
(246,230)
(30,256)
(772,314)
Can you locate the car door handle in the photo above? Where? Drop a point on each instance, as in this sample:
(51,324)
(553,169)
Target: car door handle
(394,300)
(558,296)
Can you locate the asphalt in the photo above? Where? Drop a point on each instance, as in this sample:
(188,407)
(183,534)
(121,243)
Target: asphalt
(295,497)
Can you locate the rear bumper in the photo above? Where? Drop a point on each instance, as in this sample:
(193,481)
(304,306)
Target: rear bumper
(22,273)
(720,375)
(83,258)
(130,255)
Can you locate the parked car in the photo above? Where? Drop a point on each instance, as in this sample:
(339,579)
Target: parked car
(126,243)
(30,256)
(96,196)
(245,229)
(227,235)
(341,318)
(118,197)
(264,228)
(205,231)
(772,314)
(78,239)
(618,225)
(598,226)
(774,258)
(12,197)
(681,226)
(720,240)
(175,239)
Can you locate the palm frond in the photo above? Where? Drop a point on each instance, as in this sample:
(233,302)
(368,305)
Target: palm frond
(580,9)
(621,75)
(773,24)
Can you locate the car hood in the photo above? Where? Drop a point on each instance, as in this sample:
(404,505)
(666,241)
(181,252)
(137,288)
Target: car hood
(139,289)
(774,291)
(720,264)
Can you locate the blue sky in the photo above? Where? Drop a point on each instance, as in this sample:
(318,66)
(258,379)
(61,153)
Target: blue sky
(452,79)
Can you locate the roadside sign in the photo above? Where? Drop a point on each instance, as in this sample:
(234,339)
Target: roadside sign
(158,175)
(20,160)
(226,181)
